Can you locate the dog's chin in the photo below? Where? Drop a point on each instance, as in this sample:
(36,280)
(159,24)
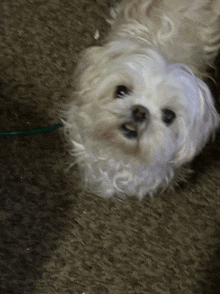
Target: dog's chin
(121,140)
(133,145)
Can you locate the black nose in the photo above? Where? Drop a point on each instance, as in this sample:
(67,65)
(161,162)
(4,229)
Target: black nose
(140,113)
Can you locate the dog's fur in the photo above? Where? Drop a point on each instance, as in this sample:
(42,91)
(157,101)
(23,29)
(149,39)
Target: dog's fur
(140,111)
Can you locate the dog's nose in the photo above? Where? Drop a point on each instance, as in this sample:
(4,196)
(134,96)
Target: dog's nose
(140,113)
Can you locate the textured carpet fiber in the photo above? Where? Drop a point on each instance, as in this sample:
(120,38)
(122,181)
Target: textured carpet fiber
(56,239)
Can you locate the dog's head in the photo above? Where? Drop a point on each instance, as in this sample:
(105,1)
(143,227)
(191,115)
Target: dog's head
(131,99)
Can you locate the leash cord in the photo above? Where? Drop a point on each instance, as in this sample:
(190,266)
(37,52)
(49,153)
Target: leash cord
(32,132)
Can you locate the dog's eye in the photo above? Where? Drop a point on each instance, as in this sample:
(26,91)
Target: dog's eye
(168,116)
(121,91)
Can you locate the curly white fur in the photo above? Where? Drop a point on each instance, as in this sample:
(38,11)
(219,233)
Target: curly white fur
(158,52)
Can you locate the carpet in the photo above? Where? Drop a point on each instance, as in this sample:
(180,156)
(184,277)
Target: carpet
(57,239)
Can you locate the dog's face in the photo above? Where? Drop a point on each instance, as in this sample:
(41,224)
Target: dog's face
(138,104)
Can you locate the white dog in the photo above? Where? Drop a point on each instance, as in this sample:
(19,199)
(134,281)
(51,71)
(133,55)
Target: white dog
(140,111)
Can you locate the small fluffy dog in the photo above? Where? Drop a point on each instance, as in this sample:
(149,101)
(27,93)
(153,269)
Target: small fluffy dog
(140,111)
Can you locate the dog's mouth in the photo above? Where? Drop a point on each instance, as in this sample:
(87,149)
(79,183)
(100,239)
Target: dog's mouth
(129,130)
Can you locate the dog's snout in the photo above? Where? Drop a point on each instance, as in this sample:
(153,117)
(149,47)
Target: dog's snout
(140,113)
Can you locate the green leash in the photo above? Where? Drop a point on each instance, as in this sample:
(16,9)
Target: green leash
(32,132)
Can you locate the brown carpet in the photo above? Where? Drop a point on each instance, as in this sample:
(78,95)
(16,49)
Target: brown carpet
(56,239)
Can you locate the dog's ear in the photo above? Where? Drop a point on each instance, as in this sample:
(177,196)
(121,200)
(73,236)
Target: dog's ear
(195,134)
(94,61)
(87,60)
(88,57)
(97,57)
